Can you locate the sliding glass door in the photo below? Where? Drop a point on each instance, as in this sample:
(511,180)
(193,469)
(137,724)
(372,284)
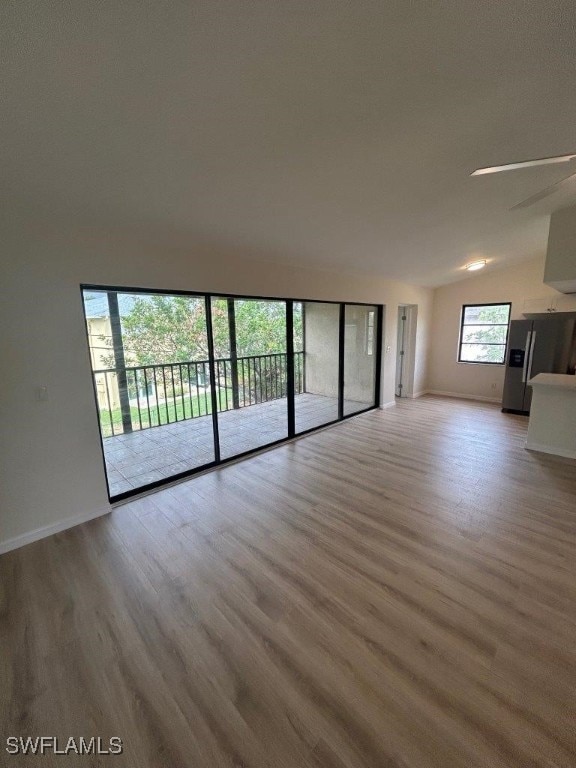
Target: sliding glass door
(151,375)
(360,331)
(316,363)
(186,381)
(251,370)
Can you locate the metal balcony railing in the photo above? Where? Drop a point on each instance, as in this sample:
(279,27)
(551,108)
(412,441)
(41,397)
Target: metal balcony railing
(140,397)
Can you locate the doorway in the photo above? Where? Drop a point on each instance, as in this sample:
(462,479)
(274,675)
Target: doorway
(405,350)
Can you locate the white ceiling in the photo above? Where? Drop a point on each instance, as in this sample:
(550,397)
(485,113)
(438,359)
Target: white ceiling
(336,134)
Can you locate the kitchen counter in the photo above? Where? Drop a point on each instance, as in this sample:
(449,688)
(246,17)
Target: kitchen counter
(562,380)
(552,425)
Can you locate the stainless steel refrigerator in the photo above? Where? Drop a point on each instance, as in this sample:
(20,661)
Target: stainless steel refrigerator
(544,345)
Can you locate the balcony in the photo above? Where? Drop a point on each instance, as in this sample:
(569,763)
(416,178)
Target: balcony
(147,456)
(156,421)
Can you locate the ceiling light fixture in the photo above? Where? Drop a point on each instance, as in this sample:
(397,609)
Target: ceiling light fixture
(474,265)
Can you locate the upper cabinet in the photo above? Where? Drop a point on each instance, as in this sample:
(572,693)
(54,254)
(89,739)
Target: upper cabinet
(565,303)
(561,303)
(538,306)
(560,269)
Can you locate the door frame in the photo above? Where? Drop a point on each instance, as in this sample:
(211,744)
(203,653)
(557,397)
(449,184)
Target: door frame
(406,343)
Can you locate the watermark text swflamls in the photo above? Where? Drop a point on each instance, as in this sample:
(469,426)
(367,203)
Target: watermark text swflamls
(43,745)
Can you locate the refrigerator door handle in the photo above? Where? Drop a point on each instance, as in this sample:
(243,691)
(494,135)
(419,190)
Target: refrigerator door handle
(532,344)
(526,355)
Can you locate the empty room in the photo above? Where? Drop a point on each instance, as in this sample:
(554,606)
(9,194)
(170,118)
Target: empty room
(288,402)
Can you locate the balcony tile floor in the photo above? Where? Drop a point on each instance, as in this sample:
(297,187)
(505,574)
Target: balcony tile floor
(146,456)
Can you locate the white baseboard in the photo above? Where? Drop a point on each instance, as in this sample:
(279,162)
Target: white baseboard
(464,396)
(48,530)
(541,448)
(415,395)
(391,404)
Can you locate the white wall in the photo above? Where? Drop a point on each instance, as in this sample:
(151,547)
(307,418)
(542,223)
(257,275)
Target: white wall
(516,284)
(51,465)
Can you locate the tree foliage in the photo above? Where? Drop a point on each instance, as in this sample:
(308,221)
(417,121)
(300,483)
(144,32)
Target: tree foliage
(170,329)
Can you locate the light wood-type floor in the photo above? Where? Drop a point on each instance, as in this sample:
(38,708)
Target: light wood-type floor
(398,590)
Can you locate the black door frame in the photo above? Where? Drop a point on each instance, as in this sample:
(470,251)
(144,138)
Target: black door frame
(290,394)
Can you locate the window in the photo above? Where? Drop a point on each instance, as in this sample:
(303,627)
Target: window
(484,333)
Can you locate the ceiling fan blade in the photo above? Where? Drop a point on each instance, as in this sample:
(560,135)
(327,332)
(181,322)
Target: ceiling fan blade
(543,193)
(524,164)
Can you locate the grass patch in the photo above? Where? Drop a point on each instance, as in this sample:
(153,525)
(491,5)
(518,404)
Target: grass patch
(178,409)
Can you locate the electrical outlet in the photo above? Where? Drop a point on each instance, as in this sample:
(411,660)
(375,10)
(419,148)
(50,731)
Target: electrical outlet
(494,386)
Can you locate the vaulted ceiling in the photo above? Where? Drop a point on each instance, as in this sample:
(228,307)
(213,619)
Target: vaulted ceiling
(336,134)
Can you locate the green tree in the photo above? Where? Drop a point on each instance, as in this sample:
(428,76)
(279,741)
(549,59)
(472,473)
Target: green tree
(170,329)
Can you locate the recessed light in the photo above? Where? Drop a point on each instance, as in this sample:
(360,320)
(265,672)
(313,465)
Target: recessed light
(474,265)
